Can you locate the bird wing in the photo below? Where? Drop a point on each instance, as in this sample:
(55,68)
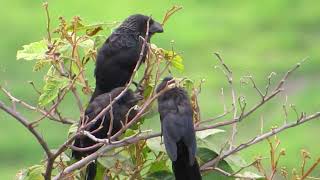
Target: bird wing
(172,133)
(189,139)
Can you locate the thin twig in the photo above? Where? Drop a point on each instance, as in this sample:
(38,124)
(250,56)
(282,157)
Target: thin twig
(262,137)
(26,123)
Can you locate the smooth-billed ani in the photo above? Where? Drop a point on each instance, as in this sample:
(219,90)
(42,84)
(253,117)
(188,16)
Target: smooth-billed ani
(122,110)
(177,128)
(120,53)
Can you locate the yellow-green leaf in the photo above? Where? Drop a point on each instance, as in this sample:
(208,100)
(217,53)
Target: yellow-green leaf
(33,51)
(51,89)
(39,65)
(87,45)
(73,129)
(174,59)
(32,173)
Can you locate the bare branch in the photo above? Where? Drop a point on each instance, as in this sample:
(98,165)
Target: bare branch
(262,137)
(51,116)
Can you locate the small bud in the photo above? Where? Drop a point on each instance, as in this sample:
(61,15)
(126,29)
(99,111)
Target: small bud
(283,152)
(45,4)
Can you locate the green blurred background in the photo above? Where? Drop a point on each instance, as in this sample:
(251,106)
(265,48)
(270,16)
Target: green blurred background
(254,37)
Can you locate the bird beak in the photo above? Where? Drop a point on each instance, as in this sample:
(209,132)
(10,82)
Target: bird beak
(138,96)
(155,28)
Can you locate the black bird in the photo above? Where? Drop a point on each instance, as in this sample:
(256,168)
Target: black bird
(120,53)
(177,128)
(100,128)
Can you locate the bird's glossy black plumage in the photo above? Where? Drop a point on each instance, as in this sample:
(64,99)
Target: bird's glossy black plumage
(120,53)
(100,128)
(176,117)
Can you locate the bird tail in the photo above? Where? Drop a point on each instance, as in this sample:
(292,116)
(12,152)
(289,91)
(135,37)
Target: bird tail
(194,171)
(91,171)
(183,171)
(182,168)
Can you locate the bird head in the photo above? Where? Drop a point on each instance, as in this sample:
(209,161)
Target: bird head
(167,81)
(138,23)
(129,98)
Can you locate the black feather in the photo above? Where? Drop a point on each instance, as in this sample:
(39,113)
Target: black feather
(119,111)
(120,53)
(176,117)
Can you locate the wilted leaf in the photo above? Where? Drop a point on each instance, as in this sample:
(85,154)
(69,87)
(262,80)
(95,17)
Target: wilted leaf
(31,173)
(93,31)
(33,51)
(77,26)
(51,89)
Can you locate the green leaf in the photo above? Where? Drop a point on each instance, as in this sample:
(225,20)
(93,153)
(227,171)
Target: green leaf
(177,63)
(252,175)
(174,59)
(153,111)
(111,158)
(72,129)
(51,71)
(98,41)
(40,64)
(148,90)
(188,85)
(87,45)
(235,161)
(163,175)
(31,173)
(128,132)
(51,89)
(156,144)
(100,172)
(156,162)
(33,51)
(209,132)
(74,68)
(158,166)
(205,155)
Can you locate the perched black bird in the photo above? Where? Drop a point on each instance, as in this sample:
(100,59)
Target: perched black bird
(176,117)
(120,53)
(120,110)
